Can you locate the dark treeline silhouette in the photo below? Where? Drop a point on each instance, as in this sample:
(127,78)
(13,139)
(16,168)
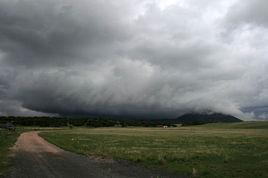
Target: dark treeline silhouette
(87,122)
(109,121)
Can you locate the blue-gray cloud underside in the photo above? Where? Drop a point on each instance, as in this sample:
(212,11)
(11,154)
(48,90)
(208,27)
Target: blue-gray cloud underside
(141,58)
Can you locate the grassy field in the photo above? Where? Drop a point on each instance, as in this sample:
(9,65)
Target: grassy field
(7,139)
(238,125)
(213,150)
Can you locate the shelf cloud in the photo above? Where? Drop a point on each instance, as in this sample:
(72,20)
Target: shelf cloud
(135,58)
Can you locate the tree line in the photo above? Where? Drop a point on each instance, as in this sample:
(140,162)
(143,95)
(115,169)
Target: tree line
(86,122)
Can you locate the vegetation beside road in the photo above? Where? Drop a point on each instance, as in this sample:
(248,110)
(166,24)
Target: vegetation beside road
(213,150)
(7,140)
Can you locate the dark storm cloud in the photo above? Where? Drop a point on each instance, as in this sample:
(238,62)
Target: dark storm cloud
(157,58)
(57,32)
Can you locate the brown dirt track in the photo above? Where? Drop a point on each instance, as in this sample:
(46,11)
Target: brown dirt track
(33,157)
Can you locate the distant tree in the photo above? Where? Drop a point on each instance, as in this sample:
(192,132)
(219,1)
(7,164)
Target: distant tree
(70,126)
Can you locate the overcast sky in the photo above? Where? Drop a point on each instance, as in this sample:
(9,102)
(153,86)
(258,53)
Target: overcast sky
(160,58)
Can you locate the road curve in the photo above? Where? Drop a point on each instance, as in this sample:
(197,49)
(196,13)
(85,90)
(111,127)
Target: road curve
(33,157)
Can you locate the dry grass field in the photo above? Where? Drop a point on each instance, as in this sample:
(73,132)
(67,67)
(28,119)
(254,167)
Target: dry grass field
(212,150)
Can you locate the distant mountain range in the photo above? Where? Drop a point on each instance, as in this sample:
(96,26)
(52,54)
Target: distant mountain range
(197,118)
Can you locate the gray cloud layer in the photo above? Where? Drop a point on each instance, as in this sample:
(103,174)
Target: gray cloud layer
(159,58)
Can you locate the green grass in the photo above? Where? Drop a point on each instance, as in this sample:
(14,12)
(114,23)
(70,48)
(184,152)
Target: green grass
(238,125)
(213,152)
(7,139)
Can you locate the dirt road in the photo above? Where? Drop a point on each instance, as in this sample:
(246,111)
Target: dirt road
(33,157)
